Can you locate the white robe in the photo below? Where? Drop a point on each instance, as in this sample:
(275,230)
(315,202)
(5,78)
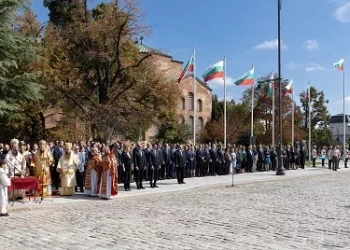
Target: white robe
(3,193)
(94,182)
(108,194)
(18,162)
(67,167)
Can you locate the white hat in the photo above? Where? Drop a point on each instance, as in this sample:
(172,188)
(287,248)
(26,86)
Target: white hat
(14,141)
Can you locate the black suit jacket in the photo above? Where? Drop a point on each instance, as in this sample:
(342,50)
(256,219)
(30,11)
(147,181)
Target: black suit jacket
(180,159)
(126,160)
(139,158)
(167,156)
(155,158)
(250,156)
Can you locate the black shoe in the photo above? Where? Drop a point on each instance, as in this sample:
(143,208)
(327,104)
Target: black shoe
(183,182)
(155,186)
(1,215)
(142,188)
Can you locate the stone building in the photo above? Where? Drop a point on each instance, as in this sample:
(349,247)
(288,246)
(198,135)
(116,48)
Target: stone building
(173,68)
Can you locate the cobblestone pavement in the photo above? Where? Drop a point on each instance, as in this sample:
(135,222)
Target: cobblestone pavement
(310,212)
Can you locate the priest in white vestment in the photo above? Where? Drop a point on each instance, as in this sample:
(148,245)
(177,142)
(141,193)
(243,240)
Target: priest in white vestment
(67,165)
(16,165)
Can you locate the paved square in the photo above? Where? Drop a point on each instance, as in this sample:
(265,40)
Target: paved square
(307,212)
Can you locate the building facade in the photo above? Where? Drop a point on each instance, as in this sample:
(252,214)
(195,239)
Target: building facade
(185,110)
(337,129)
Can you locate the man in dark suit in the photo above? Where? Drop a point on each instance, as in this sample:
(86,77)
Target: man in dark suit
(207,160)
(213,160)
(155,165)
(220,161)
(250,159)
(180,163)
(166,161)
(139,163)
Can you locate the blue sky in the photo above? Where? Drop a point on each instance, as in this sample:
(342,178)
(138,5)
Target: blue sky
(315,34)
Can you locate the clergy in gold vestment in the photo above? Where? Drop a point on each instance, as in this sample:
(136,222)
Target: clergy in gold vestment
(42,162)
(109,181)
(92,173)
(67,165)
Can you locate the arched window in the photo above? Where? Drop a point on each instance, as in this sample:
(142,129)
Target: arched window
(190,101)
(200,124)
(190,123)
(182,103)
(199,105)
(181,119)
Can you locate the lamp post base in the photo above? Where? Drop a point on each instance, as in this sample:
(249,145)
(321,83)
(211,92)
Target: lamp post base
(280,171)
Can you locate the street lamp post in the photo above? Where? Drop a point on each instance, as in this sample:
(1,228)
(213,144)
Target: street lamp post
(280,169)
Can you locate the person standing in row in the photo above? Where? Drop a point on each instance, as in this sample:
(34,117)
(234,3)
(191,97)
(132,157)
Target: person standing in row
(42,162)
(140,163)
(180,163)
(109,180)
(5,182)
(92,173)
(127,161)
(66,167)
(154,166)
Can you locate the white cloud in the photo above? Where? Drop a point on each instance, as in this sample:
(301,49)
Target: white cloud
(220,82)
(347,100)
(311,44)
(293,65)
(342,13)
(312,67)
(270,44)
(309,67)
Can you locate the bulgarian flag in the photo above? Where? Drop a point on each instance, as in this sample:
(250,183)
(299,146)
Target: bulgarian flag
(339,64)
(289,88)
(247,79)
(188,68)
(270,86)
(308,93)
(214,71)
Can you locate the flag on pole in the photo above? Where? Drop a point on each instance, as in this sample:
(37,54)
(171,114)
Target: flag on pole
(270,86)
(214,71)
(308,93)
(188,68)
(339,65)
(247,79)
(289,88)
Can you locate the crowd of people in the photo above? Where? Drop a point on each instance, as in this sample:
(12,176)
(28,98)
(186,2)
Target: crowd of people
(96,169)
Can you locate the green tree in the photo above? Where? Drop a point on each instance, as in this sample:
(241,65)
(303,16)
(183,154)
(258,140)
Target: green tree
(117,88)
(18,81)
(320,117)
(263,112)
(172,131)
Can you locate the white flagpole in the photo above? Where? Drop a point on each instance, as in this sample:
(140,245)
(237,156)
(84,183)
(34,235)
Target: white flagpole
(252,118)
(309,97)
(225,139)
(194,97)
(292,86)
(273,113)
(344,121)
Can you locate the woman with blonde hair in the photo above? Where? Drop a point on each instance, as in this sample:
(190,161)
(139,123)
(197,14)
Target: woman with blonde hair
(127,161)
